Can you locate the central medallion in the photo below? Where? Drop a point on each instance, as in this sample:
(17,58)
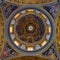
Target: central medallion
(30,28)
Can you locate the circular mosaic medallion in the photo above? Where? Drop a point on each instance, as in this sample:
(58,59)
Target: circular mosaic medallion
(30,29)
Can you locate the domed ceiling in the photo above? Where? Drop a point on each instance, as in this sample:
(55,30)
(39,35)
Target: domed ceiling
(29,30)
